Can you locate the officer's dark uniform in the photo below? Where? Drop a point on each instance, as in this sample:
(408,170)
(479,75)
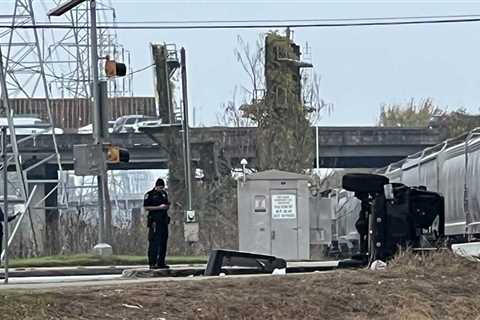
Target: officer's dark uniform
(158,221)
(2,219)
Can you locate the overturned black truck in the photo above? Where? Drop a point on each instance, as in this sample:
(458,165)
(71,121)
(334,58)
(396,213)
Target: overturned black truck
(392,216)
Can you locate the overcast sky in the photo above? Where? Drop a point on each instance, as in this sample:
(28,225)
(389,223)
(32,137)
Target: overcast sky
(360,68)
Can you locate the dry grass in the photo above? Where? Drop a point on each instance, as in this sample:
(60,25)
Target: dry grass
(433,286)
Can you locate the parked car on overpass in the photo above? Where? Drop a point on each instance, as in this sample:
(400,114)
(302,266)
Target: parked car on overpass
(148,124)
(129,123)
(88,129)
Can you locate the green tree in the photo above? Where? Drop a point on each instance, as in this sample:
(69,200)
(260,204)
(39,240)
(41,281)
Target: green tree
(456,123)
(410,115)
(427,114)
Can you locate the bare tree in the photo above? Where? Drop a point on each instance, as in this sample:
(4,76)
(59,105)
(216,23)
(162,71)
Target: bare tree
(252,61)
(231,114)
(312,98)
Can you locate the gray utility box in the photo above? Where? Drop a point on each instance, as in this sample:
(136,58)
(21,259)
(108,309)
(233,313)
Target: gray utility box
(274,209)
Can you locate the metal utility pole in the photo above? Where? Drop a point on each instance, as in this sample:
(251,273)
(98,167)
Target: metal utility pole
(186,133)
(4,98)
(317,151)
(97,125)
(98,132)
(5,199)
(102,117)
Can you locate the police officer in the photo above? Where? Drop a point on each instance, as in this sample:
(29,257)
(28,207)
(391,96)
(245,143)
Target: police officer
(157,204)
(2,220)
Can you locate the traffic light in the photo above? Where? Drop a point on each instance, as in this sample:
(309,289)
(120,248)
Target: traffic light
(115,69)
(116,154)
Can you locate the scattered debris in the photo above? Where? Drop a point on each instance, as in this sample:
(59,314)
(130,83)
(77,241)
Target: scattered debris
(282,271)
(378,265)
(132,306)
(470,251)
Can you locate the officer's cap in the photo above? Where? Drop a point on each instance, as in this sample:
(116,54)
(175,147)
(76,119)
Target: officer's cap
(160,183)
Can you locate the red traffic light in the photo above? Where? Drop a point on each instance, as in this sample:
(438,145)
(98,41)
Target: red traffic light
(115,69)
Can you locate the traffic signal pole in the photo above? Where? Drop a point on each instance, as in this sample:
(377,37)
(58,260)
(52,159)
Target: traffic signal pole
(98,131)
(99,94)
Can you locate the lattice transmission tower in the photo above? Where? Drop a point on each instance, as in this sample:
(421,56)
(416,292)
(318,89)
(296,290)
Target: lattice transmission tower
(68,55)
(23,76)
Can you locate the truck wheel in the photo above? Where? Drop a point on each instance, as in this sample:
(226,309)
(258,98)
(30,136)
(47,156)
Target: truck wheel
(364,182)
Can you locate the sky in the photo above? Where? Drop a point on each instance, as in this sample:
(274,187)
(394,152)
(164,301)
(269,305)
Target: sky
(361,68)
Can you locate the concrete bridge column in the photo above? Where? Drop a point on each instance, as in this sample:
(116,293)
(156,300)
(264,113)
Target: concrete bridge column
(29,239)
(45,214)
(52,214)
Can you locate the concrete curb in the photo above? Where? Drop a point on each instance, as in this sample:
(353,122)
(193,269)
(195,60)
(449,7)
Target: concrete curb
(144,272)
(79,271)
(186,272)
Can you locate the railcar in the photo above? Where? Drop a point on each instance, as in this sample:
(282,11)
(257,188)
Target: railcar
(451,168)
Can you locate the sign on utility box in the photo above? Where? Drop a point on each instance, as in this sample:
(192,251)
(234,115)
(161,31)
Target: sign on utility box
(88,159)
(284,206)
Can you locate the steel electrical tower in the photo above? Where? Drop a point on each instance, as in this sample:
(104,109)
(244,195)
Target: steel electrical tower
(24,76)
(68,56)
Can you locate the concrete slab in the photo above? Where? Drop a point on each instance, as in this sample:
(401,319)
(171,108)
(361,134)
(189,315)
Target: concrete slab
(103,250)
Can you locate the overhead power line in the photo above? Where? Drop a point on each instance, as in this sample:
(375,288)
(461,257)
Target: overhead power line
(364,19)
(316,24)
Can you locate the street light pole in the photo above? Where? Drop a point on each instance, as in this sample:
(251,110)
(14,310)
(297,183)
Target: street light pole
(186,133)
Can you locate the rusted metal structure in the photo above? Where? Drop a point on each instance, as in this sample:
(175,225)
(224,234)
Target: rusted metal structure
(165,59)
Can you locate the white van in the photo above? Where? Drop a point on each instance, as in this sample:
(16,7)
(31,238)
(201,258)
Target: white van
(28,125)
